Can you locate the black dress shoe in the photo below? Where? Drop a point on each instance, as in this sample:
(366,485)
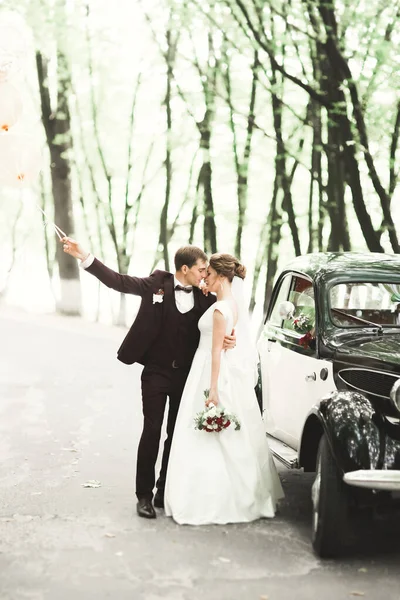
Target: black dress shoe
(159,499)
(145,508)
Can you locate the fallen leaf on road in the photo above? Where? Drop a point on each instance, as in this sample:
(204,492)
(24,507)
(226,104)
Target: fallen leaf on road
(263,597)
(223,559)
(70,449)
(109,535)
(92,483)
(355,593)
(119,554)
(363,570)
(22,518)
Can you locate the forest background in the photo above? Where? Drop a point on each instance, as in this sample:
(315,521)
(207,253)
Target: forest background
(267,129)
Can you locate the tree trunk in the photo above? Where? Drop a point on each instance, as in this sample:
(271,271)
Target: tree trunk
(339,237)
(283,180)
(340,70)
(341,74)
(242,165)
(57,126)
(353,178)
(164,233)
(272,254)
(204,187)
(315,199)
(121,317)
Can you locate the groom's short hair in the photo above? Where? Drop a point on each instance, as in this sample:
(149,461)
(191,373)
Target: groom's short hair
(188,255)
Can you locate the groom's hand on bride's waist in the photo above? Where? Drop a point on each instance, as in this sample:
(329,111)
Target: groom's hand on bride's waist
(229,341)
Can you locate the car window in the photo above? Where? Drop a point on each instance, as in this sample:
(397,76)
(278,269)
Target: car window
(301,294)
(356,304)
(283,294)
(299,327)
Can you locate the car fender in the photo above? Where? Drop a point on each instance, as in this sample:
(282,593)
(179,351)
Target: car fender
(353,429)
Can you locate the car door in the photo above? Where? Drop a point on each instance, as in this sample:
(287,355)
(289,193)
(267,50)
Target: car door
(293,377)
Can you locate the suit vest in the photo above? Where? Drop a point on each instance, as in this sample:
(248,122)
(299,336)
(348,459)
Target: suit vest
(178,337)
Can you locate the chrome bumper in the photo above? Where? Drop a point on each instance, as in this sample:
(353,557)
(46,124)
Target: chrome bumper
(374,479)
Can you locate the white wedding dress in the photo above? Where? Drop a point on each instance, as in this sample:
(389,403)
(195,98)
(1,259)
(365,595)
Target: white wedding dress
(225,477)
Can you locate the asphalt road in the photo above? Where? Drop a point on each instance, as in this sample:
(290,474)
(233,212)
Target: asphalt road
(70,414)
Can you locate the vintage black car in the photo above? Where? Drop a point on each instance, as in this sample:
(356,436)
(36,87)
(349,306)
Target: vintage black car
(330,372)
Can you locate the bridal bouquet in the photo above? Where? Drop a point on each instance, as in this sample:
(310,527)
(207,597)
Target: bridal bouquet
(214,419)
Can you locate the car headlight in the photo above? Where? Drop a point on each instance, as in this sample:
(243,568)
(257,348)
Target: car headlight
(395,395)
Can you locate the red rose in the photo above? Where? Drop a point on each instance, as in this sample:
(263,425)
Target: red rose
(209,420)
(227,424)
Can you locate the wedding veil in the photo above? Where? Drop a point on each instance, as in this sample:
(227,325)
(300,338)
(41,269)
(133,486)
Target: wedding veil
(245,355)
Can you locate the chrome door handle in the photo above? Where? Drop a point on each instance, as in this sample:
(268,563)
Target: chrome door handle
(312,377)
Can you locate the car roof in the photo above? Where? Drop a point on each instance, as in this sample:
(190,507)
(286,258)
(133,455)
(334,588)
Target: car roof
(327,263)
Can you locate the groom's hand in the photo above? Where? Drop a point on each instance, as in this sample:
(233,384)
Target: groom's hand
(229,341)
(72,247)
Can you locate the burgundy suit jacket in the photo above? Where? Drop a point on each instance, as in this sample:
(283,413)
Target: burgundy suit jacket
(149,319)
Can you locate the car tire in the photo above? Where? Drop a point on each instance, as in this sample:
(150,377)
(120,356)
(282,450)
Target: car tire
(330,504)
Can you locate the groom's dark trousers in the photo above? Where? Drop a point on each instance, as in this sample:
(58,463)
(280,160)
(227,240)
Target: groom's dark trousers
(157,384)
(164,341)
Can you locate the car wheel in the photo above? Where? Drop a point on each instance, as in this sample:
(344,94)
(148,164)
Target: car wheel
(330,504)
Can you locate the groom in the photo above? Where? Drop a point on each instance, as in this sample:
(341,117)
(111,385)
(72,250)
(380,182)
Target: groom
(164,338)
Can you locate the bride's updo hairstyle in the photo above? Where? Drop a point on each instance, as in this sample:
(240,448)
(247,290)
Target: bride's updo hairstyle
(228,266)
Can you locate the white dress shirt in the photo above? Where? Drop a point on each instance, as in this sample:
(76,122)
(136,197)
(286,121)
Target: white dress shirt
(87,262)
(184,300)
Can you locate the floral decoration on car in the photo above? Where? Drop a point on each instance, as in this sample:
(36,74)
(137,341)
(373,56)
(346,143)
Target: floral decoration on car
(303,324)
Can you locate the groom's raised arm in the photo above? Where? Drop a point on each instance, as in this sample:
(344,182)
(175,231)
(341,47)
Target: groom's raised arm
(126,284)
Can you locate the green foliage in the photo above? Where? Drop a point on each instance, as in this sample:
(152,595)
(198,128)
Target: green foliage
(115,71)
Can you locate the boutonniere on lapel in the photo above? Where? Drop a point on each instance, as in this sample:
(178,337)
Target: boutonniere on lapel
(158,296)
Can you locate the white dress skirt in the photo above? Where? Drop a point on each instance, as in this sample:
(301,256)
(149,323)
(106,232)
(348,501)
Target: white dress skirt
(226,477)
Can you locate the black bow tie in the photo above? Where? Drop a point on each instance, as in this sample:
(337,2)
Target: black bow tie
(186,289)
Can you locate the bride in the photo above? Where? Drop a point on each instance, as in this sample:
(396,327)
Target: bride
(225,477)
